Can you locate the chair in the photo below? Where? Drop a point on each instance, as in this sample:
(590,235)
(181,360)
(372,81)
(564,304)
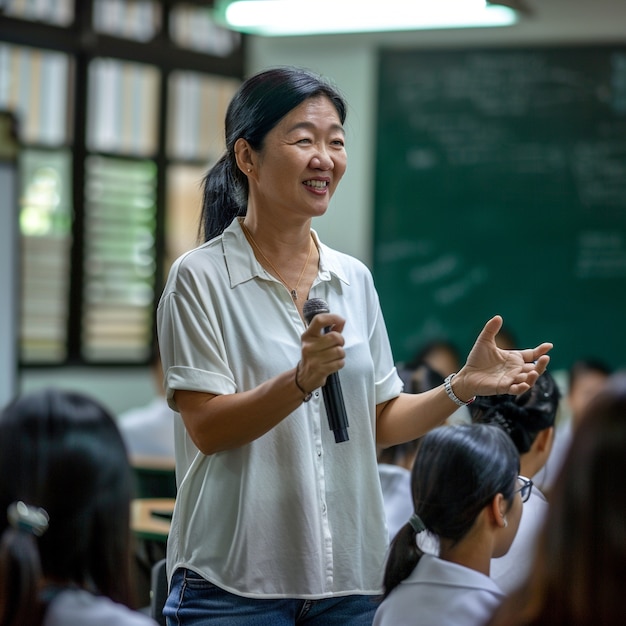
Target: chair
(158,592)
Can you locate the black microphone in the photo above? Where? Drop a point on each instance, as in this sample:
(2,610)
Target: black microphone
(333,397)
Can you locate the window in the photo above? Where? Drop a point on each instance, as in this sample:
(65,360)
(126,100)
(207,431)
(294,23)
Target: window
(120,107)
(46,241)
(59,12)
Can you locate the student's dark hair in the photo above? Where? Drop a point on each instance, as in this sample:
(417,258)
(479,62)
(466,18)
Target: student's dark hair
(577,576)
(434,345)
(584,366)
(524,416)
(62,451)
(457,471)
(257,107)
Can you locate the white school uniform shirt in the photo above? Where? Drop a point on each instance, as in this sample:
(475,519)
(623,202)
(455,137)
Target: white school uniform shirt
(149,429)
(77,607)
(396,485)
(440,593)
(292,513)
(512,569)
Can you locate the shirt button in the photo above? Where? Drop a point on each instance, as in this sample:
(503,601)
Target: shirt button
(317,394)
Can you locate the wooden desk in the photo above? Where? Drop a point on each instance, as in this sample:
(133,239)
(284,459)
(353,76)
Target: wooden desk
(150,518)
(155,476)
(151,463)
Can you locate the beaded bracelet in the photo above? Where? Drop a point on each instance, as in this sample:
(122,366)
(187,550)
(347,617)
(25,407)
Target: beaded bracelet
(307,396)
(447,385)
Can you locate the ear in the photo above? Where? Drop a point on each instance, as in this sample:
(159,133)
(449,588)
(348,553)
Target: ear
(497,510)
(244,156)
(544,439)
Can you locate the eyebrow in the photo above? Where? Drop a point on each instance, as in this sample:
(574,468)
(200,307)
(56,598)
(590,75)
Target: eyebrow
(311,126)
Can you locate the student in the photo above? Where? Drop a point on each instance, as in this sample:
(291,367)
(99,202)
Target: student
(439,354)
(65,557)
(529,420)
(467,494)
(395,462)
(585,378)
(149,430)
(273,518)
(577,576)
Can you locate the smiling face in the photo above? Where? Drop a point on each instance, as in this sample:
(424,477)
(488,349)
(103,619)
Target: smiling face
(301,163)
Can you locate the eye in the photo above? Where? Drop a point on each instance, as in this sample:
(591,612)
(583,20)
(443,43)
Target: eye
(338,142)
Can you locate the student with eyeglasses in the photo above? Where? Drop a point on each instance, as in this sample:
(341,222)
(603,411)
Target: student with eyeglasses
(528,419)
(467,497)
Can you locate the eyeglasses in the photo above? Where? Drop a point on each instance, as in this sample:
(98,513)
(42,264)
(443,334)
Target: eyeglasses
(526,488)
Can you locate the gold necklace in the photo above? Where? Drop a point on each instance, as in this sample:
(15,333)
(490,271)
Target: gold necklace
(294,291)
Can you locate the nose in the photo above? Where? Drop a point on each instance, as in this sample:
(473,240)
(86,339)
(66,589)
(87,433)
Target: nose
(321,160)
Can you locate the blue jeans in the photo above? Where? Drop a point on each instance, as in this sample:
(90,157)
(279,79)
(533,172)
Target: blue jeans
(193,601)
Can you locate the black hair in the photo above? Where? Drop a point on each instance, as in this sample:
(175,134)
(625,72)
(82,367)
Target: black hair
(586,366)
(524,416)
(457,471)
(257,107)
(434,345)
(62,451)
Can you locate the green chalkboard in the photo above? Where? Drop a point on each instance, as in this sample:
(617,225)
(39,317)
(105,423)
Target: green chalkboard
(501,188)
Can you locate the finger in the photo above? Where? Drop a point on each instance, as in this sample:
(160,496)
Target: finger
(523,382)
(518,389)
(491,328)
(542,349)
(542,364)
(323,321)
(324,351)
(318,363)
(325,347)
(533,354)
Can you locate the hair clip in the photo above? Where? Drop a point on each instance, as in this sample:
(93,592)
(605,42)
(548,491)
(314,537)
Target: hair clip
(416,523)
(32,519)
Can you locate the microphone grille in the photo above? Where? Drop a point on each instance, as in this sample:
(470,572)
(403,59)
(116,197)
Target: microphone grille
(312,307)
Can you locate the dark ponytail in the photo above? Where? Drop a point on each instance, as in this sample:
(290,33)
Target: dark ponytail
(259,104)
(20,579)
(223,197)
(404,555)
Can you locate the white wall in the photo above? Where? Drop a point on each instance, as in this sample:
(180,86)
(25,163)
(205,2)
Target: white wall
(351,62)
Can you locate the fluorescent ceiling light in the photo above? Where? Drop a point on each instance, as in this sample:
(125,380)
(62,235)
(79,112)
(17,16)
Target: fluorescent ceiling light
(304,17)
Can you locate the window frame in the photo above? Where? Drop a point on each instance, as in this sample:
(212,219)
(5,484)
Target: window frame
(83,44)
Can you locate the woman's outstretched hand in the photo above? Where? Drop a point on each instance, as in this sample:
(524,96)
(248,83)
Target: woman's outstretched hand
(490,370)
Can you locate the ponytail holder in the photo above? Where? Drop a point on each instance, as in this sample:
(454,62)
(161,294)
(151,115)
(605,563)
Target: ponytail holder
(33,520)
(416,523)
